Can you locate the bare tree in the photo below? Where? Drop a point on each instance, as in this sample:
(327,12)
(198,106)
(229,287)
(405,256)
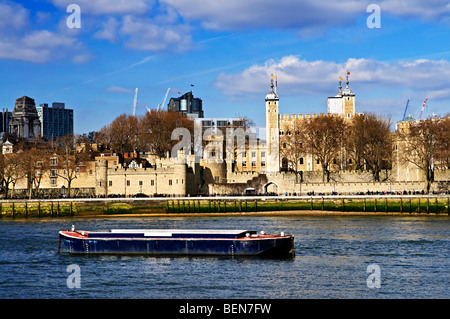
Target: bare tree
(444,157)
(423,145)
(324,136)
(124,134)
(103,136)
(9,166)
(67,160)
(370,143)
(293,146)
(156,130)
(32,165)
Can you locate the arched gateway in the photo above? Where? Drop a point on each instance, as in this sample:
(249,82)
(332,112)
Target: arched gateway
(271,187)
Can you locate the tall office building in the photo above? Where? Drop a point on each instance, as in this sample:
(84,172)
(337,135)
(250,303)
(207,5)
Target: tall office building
(56,121)
(5,118)
(187,104)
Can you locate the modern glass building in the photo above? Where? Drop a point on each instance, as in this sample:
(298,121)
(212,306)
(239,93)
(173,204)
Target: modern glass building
(56,121)
(187,104)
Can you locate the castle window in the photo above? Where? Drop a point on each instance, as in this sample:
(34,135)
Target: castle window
(350,161)
(128,182)
(253,154)
(140,183)
(318,161)
(284,145)
(334,161)
(110,183)
(301,161)
(216,179)
(90,172)
(53,181)
(152,182)
(53,161)
(263,154)
(263,163)
(170,182)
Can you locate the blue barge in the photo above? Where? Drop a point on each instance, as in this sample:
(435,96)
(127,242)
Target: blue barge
(178,242)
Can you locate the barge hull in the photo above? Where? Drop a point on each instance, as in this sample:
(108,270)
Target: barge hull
(265,246)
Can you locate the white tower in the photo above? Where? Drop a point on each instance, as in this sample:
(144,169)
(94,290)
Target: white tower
(344,102)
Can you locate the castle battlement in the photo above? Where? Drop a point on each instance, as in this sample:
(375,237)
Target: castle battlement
(294,116)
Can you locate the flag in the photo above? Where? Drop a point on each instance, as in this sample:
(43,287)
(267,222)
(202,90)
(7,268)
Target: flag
(340,79)
(272,77)
(192,84)
(348,72)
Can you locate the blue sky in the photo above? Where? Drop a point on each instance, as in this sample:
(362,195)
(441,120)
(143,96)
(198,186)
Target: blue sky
(227,50)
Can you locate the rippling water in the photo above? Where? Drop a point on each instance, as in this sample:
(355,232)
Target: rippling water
(332,256)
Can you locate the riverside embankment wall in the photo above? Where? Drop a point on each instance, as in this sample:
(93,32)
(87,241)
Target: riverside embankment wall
(404,204)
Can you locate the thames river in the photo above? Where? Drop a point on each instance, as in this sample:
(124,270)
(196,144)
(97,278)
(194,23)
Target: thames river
(336,257)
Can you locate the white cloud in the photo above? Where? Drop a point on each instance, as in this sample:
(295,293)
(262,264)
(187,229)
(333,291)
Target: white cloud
(305,15)
(19,41)
(13,16)
(109,31)
(111,7)
(296,75)
(238,14)
(159,30)
(41,39)
(37,46)
(82,58)
(145,34)
(118,89)
(431,10)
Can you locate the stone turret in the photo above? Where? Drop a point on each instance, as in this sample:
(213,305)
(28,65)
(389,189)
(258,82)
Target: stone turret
(101,176)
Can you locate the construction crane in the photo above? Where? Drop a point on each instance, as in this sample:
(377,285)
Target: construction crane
(135,101)
(423,106)
(406,108)
(161,106)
